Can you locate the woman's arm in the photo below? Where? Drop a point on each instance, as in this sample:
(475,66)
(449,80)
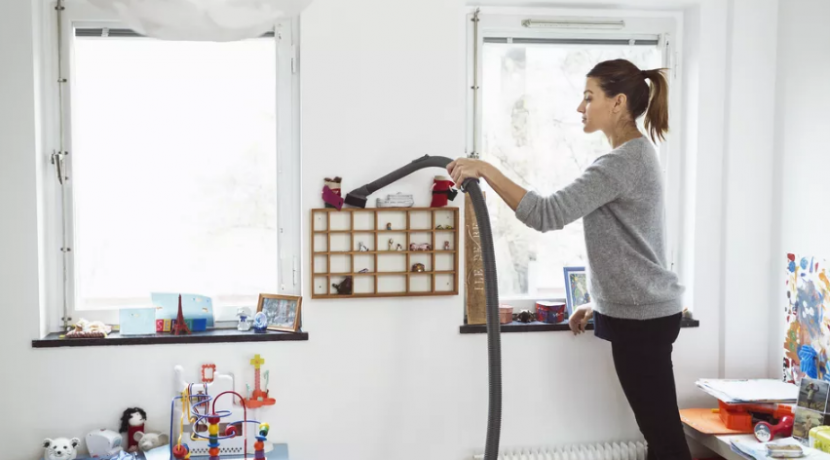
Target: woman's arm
(509,191)
(601,183)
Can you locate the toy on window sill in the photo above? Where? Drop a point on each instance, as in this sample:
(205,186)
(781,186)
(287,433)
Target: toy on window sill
(89,330)
(132,423)
(420,247)
(524,316)
(244,324)
(442,192)
(390,243)
(260,323)
(331,193)
(444,227)
(446,245)
(60,448)
(362,247)
(418,268)
(389,226)
(180,325)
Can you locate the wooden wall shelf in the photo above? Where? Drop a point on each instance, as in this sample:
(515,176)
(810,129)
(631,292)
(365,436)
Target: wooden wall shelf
(336,237)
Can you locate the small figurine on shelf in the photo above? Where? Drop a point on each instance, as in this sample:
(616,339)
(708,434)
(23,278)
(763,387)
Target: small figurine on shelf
(244,324)
(418,268)
(331,193)
(260,323)
(365,270)
(180,325)
(397,200)
(389,225)
(345,287)
(399,248)
(442,191)
(132,422)
(391,243)
(362,247)
(420,247)
(446,245)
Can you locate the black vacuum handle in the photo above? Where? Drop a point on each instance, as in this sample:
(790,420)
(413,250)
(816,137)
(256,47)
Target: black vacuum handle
(425,161)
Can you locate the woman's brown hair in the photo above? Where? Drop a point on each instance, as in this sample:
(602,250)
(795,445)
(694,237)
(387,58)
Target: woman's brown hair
(622,77)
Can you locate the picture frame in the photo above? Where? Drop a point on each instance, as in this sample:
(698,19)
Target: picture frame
(576,287)
(284,312)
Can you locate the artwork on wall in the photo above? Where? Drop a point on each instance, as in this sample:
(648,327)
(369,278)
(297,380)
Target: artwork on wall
(576,288)
(807,338)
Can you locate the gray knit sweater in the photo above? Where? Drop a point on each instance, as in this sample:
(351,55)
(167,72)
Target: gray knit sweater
(620,197)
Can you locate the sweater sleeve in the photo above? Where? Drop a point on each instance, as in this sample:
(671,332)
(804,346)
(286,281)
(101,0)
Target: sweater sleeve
(604,181)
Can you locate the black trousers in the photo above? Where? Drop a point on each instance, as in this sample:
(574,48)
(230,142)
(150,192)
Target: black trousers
(642,357)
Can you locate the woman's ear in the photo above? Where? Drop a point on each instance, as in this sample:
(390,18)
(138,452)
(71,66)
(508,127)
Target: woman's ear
(619,102)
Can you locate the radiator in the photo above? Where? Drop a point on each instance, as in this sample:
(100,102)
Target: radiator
(599,451)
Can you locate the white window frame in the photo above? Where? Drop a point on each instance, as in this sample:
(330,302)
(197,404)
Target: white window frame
(667,26)
(59,282)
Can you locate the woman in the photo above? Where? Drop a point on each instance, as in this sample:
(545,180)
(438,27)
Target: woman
(636,300)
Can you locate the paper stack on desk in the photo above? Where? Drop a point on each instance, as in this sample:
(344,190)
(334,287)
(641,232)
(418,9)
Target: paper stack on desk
(750,391)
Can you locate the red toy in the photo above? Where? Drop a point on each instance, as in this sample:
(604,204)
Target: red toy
(132,422)
(331,193)
(765,432)
(259,397)
(442,192)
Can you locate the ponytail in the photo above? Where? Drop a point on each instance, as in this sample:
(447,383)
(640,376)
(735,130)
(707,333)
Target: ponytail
(657,114)
(619,76)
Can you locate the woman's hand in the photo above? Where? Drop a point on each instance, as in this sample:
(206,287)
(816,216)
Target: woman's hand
(579,319)
(466,168)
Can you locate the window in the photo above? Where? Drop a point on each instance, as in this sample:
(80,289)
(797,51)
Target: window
(173,173)
(531,83)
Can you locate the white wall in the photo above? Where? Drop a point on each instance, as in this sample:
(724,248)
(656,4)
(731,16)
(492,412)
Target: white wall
(383,83)
(747,193)
(801,160)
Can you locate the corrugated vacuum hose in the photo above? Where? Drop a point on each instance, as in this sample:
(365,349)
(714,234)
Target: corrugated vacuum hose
(359,196)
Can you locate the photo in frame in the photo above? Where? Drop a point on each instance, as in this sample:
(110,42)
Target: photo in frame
(282,311)
(576,288)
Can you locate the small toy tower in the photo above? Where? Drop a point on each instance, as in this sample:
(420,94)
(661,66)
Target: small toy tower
(180,328)
(258,397)
(259,446)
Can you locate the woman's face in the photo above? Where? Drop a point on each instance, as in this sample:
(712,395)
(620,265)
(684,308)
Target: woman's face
(596,109)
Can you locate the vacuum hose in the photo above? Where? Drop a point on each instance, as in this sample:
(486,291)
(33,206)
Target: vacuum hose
(359,196)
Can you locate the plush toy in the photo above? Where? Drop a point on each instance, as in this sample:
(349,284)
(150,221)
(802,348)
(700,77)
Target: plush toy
(60,448)
(132,422)
(331,193)
(442,191)
(149,441)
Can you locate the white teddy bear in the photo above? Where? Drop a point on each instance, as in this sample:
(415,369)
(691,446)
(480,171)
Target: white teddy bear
(60,448)
(149,441)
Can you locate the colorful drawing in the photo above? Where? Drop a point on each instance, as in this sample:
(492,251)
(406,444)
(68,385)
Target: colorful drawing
(808,324)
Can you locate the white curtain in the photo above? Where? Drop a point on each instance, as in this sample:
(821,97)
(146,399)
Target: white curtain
(202,20)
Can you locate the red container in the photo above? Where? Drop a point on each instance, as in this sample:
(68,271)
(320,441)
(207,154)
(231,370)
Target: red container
(551,312)
(505,314)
